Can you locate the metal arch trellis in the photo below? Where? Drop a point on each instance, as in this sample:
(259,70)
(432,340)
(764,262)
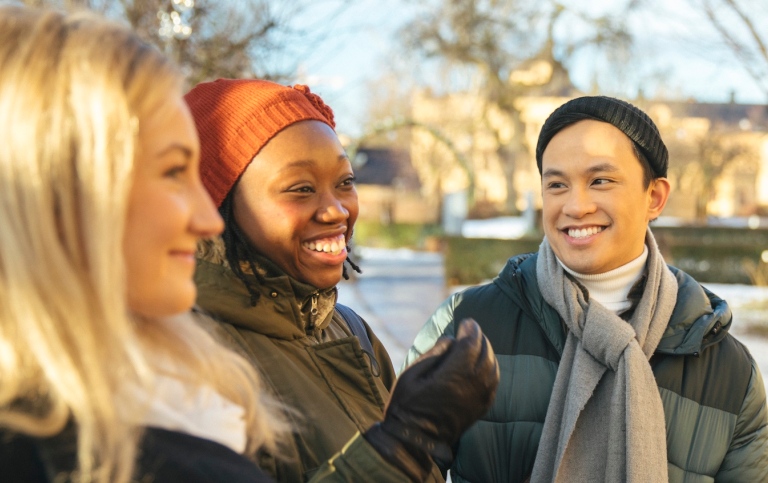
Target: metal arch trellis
(395,124)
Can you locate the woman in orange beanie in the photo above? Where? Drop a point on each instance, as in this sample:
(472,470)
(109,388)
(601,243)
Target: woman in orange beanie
(273,164)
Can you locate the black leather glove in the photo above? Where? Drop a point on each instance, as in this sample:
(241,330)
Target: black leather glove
(435,400)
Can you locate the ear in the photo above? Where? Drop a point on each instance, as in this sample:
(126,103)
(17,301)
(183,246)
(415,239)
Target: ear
(658,194)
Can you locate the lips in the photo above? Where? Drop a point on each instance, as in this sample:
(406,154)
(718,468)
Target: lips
(584,232)
(183,253)
(333,245)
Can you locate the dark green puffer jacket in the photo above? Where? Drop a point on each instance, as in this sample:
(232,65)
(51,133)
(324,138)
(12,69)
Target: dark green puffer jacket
(712,391)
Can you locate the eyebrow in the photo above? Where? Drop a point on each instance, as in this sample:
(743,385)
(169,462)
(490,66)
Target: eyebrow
(306,163)
(598,168)
(186,151)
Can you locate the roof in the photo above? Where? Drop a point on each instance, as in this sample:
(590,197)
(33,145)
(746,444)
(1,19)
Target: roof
(386,167)
(727,114)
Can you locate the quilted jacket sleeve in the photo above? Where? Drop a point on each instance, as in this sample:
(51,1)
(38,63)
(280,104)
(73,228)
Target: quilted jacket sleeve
(747,457)
(441,322)
(357,461)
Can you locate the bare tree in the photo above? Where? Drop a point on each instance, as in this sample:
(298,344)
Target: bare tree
(220,38)
(741,25)
(700,164)
(496,40)
(388,105)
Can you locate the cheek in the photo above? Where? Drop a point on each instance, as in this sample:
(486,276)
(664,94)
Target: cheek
(353,207)
(141,263)
(266,224)
(140,234)
(549,212)
(550,215)
(155,225)
(640,219)
(157,218)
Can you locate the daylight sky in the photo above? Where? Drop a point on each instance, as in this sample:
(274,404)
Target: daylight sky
(673,42)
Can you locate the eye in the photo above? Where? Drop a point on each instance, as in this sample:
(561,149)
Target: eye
(348,182)
(302,189)
(555,185)
(601,181)
(175,171)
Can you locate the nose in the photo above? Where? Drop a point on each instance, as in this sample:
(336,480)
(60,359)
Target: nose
(579,203)
(331,210)
(205,221)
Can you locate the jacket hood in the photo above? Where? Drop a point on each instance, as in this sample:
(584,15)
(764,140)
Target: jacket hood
(511,270)
(286,309)
(700,318)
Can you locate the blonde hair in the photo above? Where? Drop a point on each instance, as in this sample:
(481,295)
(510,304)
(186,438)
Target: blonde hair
(73,92)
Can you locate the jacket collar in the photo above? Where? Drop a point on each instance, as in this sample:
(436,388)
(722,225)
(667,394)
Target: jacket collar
(518,281)
(700,318)
(286,308)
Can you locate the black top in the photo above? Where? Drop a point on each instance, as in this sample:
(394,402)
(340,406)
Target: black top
(164,456)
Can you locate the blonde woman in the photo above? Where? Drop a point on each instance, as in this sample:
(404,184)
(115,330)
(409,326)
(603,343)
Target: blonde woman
(101,207)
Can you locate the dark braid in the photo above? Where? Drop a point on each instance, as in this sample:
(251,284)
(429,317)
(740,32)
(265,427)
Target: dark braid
(238,249)
(351,264)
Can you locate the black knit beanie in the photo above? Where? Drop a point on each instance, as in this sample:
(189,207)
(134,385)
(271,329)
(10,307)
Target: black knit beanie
(629,119)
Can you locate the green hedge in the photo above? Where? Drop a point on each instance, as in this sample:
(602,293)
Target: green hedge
(711,255)
(394,235)
(469,261)
(714,255)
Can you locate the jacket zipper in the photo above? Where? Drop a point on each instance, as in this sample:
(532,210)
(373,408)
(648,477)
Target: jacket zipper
(530,309)
(313,314)
(522,292)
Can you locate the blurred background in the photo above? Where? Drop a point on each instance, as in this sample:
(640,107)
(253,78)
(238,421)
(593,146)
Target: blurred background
(439,104)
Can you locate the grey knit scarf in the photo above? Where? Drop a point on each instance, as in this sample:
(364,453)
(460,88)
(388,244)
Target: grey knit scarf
(605,420)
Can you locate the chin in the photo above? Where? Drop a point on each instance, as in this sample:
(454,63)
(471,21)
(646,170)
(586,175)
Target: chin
(174,302)
(578,264)
(326,282)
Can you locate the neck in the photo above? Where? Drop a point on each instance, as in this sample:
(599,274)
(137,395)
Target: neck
(612,288)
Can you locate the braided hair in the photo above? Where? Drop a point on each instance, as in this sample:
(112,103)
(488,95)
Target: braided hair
(237,249)
(351,264)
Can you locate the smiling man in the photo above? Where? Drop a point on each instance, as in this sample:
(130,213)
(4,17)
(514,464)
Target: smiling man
(614,366)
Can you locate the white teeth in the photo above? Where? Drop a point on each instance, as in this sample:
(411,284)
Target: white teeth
(584,232)
(331,245)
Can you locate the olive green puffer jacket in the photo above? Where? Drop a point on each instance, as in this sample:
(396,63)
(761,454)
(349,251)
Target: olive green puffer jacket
(313,364)
(711,389)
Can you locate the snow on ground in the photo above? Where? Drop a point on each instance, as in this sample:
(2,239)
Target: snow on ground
(749,305)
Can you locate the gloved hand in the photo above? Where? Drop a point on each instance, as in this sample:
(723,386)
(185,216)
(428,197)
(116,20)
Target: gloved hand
(436,399)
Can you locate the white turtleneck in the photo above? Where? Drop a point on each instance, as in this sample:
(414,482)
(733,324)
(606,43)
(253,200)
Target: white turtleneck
(612,288)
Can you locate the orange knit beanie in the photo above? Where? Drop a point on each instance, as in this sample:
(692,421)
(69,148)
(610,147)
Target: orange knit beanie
(236,118)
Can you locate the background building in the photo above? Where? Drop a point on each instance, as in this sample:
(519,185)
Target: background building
(718,154)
